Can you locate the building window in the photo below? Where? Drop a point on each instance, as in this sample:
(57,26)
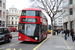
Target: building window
(16,17)
(0,13)
(12,22)
(71,1)
(12,10)
(71,24)
(12,17)
(15,10)
(4,5)
(15,22)
(55,24)
(0,3)
(9,22)
(3,14)
(71,11)
(60,18)
(55,21)
(0,23)
(3,23)
(60,23)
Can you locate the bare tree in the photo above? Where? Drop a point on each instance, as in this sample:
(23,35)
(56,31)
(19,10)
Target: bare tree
(51,7)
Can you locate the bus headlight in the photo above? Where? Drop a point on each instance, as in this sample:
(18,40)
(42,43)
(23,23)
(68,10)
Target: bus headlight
(19,37)
(36,38)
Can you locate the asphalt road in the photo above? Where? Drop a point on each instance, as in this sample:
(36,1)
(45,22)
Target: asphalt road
(17,45)
(56,42)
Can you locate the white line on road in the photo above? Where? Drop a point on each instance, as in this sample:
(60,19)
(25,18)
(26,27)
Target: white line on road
(1,48)
(20,49)
(11,45)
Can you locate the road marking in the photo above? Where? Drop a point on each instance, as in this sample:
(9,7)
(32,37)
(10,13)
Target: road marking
(11,45)
(10,49)
(20,49)
(41,42)
(1,48)
(68,47)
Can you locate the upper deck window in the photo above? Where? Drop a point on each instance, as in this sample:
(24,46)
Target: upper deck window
(30,13)
(71,1)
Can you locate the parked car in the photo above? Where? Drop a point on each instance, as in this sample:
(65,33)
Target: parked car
(5,34)
(49,31)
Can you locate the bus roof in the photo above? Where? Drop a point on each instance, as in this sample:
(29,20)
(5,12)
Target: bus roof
(35,9)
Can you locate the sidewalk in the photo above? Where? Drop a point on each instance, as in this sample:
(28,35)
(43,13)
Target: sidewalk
(57,43)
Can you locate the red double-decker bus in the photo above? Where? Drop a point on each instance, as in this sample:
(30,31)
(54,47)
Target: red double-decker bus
(32,25)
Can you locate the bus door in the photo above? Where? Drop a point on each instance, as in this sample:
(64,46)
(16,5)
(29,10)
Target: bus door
(21,28)
(40,32)
(29,29)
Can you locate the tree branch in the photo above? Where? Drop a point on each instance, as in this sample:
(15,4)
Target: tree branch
(59,15)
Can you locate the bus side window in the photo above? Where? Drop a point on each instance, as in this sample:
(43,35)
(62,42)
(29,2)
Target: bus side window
(41,28)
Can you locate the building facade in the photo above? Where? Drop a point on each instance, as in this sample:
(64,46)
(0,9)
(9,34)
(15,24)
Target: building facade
(13,16)
(58,22)
(2,13)
(69,15)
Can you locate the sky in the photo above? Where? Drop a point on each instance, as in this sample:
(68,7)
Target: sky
(20,4)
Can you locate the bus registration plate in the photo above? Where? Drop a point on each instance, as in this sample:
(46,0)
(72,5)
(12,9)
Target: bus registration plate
(27,39)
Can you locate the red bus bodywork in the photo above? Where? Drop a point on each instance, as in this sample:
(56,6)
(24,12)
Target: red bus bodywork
(22,37)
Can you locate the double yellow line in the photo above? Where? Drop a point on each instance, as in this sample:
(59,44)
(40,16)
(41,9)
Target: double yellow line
(68,47)
(41,43)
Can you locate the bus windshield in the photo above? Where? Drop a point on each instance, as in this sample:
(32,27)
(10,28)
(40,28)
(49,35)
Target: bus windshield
(27,29)
(30,13)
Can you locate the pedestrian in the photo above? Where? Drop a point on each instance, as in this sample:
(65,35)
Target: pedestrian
(73,38)
(68,32)
(54,31)
(57,31)
(62,32)
(14,30)
(72,33)
(65,34)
